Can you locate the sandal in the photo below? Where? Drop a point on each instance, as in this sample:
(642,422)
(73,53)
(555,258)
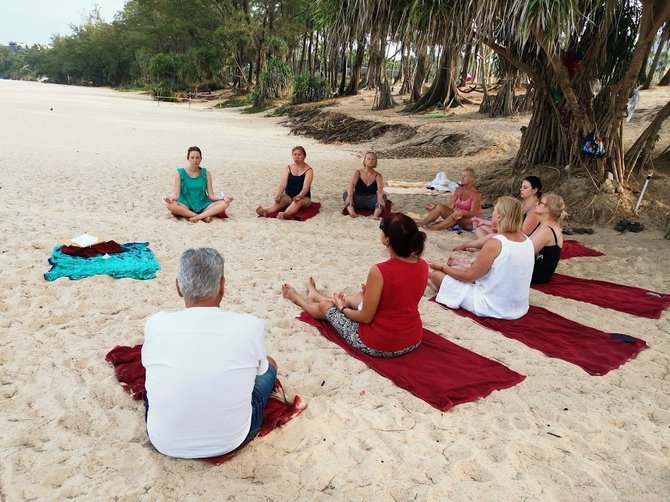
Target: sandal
(636,227)
(622,226)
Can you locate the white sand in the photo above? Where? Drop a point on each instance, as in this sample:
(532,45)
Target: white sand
(101,161)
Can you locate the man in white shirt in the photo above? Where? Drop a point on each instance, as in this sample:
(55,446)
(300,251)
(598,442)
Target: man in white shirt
(208,378)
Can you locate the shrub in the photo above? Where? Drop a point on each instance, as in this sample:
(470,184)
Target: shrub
(310,88)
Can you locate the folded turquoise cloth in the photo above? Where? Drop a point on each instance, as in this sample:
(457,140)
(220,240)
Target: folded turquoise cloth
(136,261)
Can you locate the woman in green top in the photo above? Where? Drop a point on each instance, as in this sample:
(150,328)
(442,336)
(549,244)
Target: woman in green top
(193,197)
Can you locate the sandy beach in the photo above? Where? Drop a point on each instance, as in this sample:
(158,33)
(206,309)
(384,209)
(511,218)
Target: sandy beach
(78,160)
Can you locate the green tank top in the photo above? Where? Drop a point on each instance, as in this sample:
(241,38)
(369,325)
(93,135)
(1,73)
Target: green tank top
(193,191)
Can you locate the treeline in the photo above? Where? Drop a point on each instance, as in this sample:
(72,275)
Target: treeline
(581,59)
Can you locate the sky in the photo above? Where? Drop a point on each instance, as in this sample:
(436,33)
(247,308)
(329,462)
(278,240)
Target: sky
(35,21)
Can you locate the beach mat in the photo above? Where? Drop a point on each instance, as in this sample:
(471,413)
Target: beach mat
(595,351)
(370,212)
(575,249)
(128,369)
(304,214)
(439,372)
(629,299)
(136,261)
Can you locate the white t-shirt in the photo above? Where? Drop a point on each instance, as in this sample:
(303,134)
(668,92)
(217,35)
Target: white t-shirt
(201,367)
(503,291)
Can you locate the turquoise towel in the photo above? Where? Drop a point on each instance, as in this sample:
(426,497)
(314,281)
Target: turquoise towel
(137,262)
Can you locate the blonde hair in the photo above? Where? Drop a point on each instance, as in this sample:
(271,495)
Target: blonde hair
(555,206)
(470,171)
(370,153)
(511,214)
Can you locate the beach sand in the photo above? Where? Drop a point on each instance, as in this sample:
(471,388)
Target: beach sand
(78,160)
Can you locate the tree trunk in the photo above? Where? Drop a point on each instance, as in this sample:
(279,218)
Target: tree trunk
(665,80)
(466,65)
(352,88)
(302,54)
(383,98)
(406,74)
(638,156)
(343,81)
(661,44)
(443,91)
(419,74)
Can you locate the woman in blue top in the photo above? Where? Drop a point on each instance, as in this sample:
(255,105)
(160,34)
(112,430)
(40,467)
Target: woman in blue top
(193,197)
(294,190)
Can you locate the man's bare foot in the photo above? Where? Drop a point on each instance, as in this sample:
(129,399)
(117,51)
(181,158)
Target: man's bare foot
(261,211)
(194,219)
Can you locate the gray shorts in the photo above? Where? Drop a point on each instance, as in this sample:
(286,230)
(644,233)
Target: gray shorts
(348,331)
(364,201)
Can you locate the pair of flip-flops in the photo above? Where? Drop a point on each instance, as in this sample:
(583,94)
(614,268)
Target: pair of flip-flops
(579,230)
(633,226)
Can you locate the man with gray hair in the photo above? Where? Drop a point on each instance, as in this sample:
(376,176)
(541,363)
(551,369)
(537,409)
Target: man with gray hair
(208,378)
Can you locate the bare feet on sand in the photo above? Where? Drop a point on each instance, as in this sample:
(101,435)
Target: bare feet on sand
(289,292)
(261,211)
(312,292)
(350,210)
(280,215)
(430,206)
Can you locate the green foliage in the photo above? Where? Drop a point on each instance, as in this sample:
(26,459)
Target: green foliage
(273,83)
(310,88)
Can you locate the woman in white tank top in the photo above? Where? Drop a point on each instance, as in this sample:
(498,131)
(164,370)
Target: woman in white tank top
(497,284)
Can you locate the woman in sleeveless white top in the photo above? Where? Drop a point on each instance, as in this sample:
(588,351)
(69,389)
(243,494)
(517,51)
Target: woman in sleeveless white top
(497,284)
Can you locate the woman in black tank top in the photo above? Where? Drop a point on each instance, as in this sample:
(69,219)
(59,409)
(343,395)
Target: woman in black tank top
(294,191)
(547,237)
(366,189)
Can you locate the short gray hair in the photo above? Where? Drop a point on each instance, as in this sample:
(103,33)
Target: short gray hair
(199,273)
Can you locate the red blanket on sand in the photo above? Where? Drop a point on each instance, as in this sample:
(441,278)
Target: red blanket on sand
(629,299)
(592,350)
(304,214)
(440,372)
(575,249)
(130,373)
(368,212)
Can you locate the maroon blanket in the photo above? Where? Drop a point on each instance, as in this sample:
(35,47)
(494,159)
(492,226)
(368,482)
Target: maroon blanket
(575,249)
(106,247)
(629,299)
(592,350)
(440,372)
(304,214)
(130,373)
(369,212)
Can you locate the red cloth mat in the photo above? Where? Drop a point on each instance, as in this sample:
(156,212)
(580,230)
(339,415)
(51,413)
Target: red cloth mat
(369,212)
(304,214)
(221,215)
(130,373)
(106,247)
(575,249)
(629,299)
(440,372)
(595,351)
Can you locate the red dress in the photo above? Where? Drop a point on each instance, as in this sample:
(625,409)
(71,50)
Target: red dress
(397,324)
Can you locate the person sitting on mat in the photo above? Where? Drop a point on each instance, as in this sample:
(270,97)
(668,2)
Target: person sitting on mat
(294,190)
(530,193)
(383,320)
(208,378)
(366,189)
(465,204)
(497,283)
(193,196)
(547,237)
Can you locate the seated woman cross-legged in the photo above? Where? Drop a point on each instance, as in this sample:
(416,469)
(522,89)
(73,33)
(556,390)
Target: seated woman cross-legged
(383,320)
(366,189)
(294,192)
(466,203)
(497,283)
(547,237)
(193,196)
